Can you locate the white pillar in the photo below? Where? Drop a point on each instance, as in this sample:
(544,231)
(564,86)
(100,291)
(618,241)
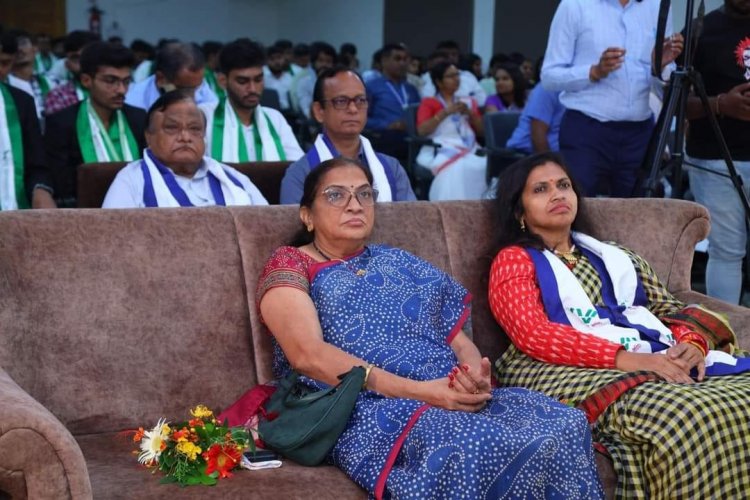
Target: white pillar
(484,30)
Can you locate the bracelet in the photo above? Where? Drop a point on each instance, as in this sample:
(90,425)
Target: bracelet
(718,103)
(697,340)
(699,346)
(368,369)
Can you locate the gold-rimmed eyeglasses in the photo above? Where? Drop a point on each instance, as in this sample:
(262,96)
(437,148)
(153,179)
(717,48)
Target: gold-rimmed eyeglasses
(338,196)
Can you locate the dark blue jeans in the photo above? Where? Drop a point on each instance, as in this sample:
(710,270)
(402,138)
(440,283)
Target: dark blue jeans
(604,154)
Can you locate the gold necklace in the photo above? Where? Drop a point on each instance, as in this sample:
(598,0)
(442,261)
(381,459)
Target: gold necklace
(569,257)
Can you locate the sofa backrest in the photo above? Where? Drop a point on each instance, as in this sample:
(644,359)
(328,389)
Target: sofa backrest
(112,319)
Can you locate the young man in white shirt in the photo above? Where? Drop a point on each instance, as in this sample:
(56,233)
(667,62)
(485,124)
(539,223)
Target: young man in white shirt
(239,129)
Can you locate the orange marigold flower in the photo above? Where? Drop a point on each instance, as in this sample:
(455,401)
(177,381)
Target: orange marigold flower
(138,435)
(221,459)
(196,422)
(180,435)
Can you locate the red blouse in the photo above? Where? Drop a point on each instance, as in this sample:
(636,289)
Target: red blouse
(430,106)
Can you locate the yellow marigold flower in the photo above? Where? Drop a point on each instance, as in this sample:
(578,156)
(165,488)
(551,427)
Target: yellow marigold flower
(190,450)
(201,411)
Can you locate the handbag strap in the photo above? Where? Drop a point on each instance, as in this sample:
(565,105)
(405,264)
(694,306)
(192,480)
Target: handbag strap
(356,375)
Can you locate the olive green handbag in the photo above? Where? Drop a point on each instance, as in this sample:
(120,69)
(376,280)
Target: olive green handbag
(303,425)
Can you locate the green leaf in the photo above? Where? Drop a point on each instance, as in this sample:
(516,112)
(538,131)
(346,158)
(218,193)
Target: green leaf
(209,480)
(194,479)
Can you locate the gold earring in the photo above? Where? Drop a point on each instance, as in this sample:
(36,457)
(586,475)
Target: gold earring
(309,228)
(523,226)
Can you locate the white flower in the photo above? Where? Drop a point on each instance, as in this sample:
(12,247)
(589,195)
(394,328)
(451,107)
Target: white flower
(152,442)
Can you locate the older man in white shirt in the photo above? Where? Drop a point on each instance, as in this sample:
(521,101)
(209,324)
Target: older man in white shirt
(174,171)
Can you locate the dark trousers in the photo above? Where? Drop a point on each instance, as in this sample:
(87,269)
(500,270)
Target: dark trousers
(604,157)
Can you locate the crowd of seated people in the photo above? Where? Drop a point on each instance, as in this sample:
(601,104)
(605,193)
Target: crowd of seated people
(91,100)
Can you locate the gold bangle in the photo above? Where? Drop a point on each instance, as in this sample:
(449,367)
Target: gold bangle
(368,369)
(699,346)
(718,104)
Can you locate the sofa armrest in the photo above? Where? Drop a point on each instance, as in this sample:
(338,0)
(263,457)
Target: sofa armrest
(39,458)
(739,317)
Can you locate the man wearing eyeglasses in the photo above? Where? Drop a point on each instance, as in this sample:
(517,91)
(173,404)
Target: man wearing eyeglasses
(174,171)
(340,105)
(101,128)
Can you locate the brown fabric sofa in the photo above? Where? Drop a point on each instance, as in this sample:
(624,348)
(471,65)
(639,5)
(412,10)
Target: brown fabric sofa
(112,319)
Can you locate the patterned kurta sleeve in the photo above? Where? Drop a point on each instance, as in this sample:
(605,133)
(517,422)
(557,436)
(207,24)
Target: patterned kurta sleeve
(515,301)
(287,267)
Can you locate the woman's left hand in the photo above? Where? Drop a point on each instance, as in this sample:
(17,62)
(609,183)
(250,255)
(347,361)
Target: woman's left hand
(470,380)
(688,357)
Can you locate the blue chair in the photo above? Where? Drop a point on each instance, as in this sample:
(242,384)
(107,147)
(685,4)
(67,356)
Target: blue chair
(498,127)
(420,176)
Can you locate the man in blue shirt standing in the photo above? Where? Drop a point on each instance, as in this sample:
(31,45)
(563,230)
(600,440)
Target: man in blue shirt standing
(599,54)
(388,96)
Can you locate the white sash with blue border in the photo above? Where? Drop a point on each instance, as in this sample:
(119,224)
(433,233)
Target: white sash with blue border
(623,319)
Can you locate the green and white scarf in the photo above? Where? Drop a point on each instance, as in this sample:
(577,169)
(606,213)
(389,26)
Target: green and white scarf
(12,190)
(98,144)
(210,76)
(42,63)
(227,138)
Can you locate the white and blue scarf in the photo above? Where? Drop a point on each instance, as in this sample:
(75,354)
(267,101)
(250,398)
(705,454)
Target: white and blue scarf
(623,318)
(161,188)
(323,149)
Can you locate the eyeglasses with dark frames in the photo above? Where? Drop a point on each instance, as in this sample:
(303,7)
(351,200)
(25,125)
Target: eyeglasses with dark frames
(342,102)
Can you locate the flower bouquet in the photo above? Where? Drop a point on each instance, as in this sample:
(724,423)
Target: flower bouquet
(199,451)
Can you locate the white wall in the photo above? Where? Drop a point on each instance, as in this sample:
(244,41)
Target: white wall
(483,38)
(679,6)
(334,21)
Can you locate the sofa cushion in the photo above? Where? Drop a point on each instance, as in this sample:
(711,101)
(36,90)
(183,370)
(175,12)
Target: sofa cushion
(115,473)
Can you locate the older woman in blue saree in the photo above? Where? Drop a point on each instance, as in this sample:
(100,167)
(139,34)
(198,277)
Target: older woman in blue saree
(428,424)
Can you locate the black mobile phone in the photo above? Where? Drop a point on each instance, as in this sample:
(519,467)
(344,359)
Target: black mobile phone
(261,455)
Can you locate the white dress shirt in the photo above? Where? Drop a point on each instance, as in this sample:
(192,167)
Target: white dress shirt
(126,190)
